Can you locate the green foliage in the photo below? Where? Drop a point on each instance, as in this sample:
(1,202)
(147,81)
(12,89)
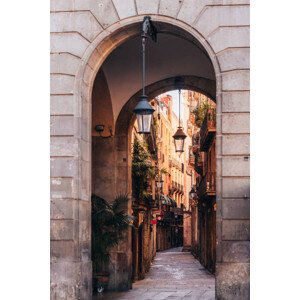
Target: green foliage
(201,110)
(163,171)
(109,221)
(142,169)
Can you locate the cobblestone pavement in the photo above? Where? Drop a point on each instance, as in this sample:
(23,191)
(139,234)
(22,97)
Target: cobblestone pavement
(173,275)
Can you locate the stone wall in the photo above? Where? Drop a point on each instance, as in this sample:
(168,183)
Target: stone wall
(83,33)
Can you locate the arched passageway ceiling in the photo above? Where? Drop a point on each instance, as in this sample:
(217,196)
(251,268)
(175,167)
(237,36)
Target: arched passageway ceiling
(126,116)
(173,55)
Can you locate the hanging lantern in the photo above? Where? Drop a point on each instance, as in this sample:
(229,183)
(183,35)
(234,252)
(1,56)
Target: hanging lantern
(144,113)
(144,110)
(179,138)
(179,135)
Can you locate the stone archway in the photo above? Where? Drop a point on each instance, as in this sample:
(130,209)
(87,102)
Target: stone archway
(223,42)
(118,148)
(123,144)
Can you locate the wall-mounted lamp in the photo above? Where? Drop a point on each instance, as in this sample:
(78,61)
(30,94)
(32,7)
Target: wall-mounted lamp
(100,129)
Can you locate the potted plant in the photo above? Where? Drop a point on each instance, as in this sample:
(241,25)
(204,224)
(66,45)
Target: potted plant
(201,110)
(109,221)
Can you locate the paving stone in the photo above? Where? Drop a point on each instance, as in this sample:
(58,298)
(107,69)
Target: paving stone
(173,275)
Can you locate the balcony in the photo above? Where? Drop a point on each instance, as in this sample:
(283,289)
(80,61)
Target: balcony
(208,130)
(199,163)
(207,186)
(176,187)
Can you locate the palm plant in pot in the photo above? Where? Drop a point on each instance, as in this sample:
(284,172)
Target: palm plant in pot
(109,221)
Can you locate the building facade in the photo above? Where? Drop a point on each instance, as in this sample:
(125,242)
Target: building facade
(203,118)
(144,203)
(170,223)
(93,60)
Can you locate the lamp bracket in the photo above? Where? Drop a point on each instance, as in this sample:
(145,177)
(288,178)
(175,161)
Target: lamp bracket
(149,29)
(100,128)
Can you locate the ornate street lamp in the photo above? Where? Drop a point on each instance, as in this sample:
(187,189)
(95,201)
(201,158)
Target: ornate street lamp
(179,135)
(144,110)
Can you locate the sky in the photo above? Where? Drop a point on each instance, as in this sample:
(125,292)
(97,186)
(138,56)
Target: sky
(175,98)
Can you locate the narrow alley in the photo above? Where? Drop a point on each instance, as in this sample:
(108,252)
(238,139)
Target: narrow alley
(173,275)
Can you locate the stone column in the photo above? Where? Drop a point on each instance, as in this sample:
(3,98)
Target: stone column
(71,269)
(233,228)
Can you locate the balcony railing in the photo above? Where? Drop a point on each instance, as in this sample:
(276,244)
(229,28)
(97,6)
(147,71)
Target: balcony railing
(208,130)
(207,185)
(177,187)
